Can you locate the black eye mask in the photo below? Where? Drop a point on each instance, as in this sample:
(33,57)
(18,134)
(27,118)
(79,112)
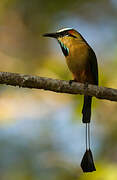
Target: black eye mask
(66,33)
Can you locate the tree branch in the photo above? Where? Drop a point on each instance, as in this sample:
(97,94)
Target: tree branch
(59,86)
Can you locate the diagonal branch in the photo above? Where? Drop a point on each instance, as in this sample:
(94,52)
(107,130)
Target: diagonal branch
(59,86)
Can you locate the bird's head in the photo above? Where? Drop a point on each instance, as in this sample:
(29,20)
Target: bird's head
(66,37)
(68,33)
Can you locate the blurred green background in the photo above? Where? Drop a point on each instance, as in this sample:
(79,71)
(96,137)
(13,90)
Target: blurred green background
(41,134)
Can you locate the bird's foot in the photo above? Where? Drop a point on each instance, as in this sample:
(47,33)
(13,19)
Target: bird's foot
(85,85)
(71,81)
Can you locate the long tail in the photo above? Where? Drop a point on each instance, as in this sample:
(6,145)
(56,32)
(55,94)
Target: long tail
(86,111)
(87,163)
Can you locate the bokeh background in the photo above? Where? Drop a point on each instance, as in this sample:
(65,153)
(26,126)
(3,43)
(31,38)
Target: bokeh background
(41,134)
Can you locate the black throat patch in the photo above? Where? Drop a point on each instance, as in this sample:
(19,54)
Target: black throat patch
(65,50)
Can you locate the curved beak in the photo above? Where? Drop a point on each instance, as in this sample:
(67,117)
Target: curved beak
(53,35)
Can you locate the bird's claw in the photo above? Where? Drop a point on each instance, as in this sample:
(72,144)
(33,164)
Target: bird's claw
(71,81)
(85,85)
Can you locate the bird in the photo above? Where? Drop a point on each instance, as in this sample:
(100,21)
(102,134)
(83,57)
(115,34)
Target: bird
(82,63)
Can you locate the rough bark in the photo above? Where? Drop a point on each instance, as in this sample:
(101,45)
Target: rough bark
(59,86)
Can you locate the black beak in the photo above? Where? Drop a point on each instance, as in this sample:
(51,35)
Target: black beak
(53,35)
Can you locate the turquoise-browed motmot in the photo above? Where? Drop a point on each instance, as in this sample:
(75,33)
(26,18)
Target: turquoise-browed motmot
(82,62)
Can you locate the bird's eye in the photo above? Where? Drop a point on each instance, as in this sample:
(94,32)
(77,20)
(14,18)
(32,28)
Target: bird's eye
(71,35)
(68,34)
